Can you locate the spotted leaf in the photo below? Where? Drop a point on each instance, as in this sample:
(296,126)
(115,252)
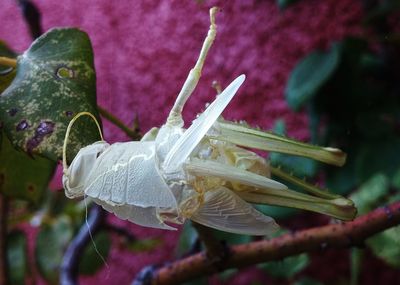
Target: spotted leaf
(55,80)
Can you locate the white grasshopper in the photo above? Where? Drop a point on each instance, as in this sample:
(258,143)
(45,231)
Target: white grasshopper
(200,173)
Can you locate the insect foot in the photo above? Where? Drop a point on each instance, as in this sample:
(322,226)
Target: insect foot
(201,173)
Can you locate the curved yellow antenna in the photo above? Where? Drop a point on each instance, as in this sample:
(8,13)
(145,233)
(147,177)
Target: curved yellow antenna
(65,166)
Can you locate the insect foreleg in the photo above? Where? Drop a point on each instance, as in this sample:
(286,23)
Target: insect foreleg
(150,135)
(175,116)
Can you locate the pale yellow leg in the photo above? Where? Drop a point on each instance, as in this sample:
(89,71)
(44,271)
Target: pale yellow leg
(175,116)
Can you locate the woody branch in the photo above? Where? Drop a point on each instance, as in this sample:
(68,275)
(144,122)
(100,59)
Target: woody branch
(330,236)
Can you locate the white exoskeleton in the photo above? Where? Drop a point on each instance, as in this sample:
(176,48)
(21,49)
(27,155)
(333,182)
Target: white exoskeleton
(200,173)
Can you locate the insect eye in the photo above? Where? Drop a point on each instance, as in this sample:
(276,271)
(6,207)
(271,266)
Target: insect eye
(98,154)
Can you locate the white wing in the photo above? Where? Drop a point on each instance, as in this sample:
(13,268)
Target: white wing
(223,210)
(193,135)
(146,217)
(126,173)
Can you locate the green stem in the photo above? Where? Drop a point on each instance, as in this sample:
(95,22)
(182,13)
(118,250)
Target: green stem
(132,133)
(7,61)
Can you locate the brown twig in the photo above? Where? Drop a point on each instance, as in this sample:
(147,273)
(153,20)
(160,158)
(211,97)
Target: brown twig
(3,240)
(216,251)
(330,236)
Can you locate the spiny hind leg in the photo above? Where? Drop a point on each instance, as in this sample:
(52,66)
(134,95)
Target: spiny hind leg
(175,117)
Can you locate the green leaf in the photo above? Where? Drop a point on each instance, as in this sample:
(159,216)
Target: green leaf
(278,213)
(307,281)
(287,267)
(231,238)
(22,176)
(51,243)
(368,196)
(310,75)
(91,261)
(226,274)
(144,245)
(342,180)
(379,156)
(381,11)
(386,245)
(396,180)
(187,239)
(298,166)
(17,257)
(7,74)
(55,80)
(283,4)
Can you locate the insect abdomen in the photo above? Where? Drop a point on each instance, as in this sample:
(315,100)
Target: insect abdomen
(128,171)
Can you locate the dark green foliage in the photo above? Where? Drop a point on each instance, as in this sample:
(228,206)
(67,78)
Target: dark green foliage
(355,106)
(187,239)
(17,257)
(36,173)
(51,242)
(307,281)
(386,245)
(91,261)
(287,267)
(144,245)
(278,213)
(371,193)
(283,4)
(309,75)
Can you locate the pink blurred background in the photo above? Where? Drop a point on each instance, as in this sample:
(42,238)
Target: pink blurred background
(145,49)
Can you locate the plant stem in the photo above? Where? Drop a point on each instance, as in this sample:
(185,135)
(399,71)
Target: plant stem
(331,236)
(3,239)
(132,133)
(32,17)
(215,249)
(7,61)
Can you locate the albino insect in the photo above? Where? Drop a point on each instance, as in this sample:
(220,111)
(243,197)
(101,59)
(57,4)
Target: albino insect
(201,174)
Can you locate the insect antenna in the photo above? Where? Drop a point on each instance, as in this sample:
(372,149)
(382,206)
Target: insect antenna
(92,239)
(64,152)
(175,116)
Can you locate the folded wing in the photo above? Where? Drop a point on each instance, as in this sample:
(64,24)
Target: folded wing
(225,211)
(194,134)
